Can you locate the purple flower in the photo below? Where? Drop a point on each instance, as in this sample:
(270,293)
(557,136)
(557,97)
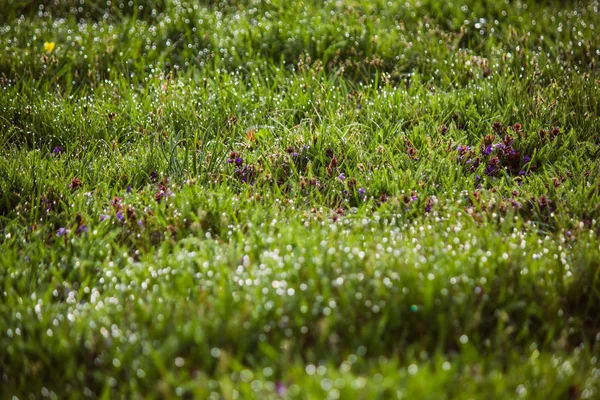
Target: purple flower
(57,150)
(428,207)
(361,192)
(229,161)
(522,173)
(526,159)
(500,146)
(239,160)
(103,217)
(61,232)
(81,229)
(120,216)
(280,389)
(342,177)
(489,170)
(140,222)
(488,150)
(245,174)
(128,188)
(295,154)
(463,149)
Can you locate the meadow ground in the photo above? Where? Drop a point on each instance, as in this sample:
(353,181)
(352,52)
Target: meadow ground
(285,199)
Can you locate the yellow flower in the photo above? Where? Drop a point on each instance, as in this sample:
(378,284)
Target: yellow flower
(49,46)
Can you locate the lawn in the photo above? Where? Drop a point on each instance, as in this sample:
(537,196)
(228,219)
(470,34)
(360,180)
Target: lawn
(299,199)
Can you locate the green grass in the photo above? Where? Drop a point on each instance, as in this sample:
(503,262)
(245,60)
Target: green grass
(284,199)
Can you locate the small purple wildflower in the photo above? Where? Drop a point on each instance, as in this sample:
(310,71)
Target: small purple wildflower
(120,216)
(361,192)
(238,160)
(81,229)
(341,177)
(526,159)
(57,150)
(463,149)
(295,154)
(61,231)
(245,174)
(103,217)
(488,150)
(522,173)
(280,389)
(128,188)
(140,222)
(229,161)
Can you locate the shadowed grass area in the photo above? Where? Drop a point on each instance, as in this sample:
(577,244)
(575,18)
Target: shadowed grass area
(354,199)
